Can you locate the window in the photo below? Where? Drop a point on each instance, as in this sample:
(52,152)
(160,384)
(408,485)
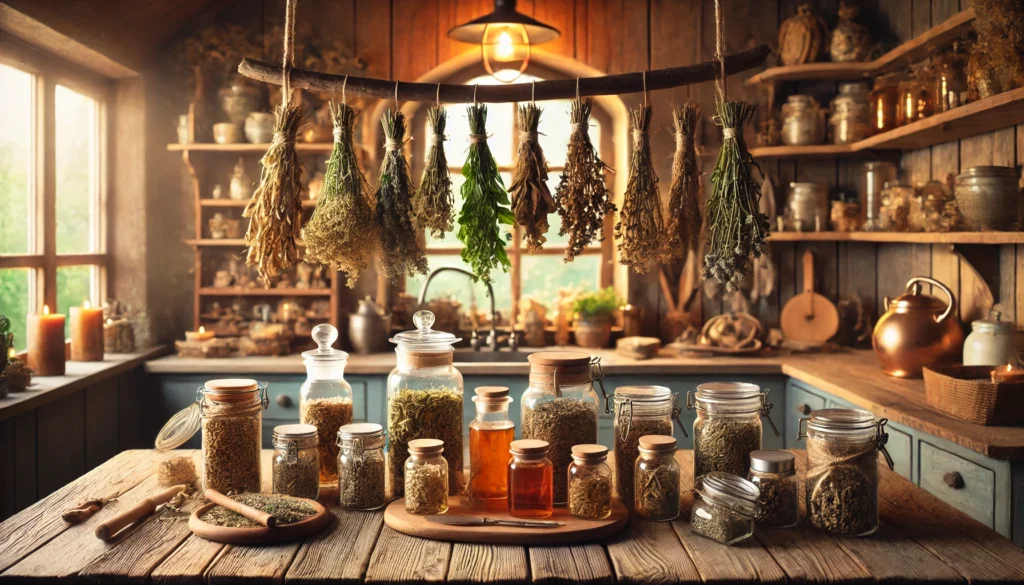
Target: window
(536,275)
(52,237)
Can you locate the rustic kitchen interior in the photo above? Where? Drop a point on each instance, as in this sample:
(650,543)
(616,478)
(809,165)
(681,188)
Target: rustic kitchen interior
(560,291)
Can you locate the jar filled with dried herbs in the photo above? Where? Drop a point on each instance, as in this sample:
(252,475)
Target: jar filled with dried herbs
(590,483)
(325,397)
(842,469)
(656,479)
(361,466)
(424,400)
(296,465)
(774,474)
(728,426)
(560,408)
(639,411)
(426,478)
(726,508)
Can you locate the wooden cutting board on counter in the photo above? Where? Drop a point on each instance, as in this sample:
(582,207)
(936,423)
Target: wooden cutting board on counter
(809,317)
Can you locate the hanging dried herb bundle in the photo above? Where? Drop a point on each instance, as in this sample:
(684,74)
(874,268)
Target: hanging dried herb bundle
(531,198)
(435,209)
(275,210)
(683,221)
(400,251)
(582,199)
(341,231)
(640,228)
(484,202)
(737,230)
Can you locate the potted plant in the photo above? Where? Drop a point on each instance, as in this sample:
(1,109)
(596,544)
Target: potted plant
(593,322)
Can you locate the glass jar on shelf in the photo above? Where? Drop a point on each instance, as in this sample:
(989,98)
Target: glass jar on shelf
(774,474)
(560,407)
(639,411)
(590,483)
(424,400)
(426,477)
(656,479)
(361,466)
(728,426)
(726,508)
(490,435)
(851,113)
(915,96)
(884,102)
(803,121)
(296,466)
(325,398)
(876,174)
(950,81)
(530,479)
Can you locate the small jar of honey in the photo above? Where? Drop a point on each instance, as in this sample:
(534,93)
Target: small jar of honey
(530,476)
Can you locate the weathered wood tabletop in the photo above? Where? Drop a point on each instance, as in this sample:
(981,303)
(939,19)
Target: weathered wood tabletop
(921,540)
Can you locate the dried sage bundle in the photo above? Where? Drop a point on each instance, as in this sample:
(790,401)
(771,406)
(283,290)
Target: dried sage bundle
(640,228)
(435,204)
(582,199)
(683,221)
(531,198)
(341,232)
(400,250)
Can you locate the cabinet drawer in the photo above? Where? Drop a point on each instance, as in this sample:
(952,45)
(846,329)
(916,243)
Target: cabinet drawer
(799,404)
(963,484)
(901,448)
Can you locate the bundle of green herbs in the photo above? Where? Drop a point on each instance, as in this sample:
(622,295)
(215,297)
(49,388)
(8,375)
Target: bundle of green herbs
(640,230)
(435,204)
(400,250)
(531,198)
(341,233)
(683,220)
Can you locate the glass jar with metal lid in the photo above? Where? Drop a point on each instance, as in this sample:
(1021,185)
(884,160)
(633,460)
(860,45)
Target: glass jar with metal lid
(361,466)
(774,474)
(590,483)
(325,397)
(656,479)
(803,121)
(296,464)
(842,469)
(850,113)
(726,508)
(426,478)
(560,407)
(728,426)
(424,400)
(639,411)
(990,343)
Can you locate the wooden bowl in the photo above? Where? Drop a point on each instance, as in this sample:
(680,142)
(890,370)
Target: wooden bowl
(259,534)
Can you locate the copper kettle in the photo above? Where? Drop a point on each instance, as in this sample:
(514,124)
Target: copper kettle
(918,330)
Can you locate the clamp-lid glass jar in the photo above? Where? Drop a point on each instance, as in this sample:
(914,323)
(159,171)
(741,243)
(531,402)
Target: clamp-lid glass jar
(426,478)
(560,408)
(361,466)
(639,411)
(424,400)
(296,465)
(656,479)
(726,508)
(590,483)
(774,474)
(728,426)
(325,397)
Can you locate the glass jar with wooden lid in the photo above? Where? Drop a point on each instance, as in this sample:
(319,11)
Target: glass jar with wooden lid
(325,398)
(728,426)
(590,483)
(656,479)
(639,411)
(296,464)
(530,479)
(426,478)
(361,466)
(490,435)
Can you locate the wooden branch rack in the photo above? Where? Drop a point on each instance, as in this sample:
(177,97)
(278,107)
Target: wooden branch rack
(624,83)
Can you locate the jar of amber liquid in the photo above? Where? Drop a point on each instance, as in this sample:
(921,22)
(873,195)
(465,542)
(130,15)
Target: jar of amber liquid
(884,98)
(490,436)
(530,480)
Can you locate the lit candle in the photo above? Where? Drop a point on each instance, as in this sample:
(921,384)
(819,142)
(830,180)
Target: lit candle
(45,336)
(86,333)
(201,335)
(1007,375)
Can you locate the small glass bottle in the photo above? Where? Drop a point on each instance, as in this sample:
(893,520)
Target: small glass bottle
(325,398)
(530,487)
(774,474)
(296,461)
(426,477)
(361,466)
(728,426)
(726,508)
(490,435)
(656,479)
(639,411)
(590,483)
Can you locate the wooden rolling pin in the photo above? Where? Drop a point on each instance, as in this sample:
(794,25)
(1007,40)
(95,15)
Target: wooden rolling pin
(106,530)
(268,520)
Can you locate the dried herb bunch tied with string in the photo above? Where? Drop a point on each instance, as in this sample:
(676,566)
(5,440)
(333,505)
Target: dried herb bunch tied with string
(683,220)
(275,210)
(582,198)
(531,198)
(435,204)
(341,233)
(640,230)
(737,230)
(484,203)
(400,250)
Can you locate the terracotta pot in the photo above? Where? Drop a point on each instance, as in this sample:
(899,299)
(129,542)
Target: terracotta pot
(593,332)
(918,330)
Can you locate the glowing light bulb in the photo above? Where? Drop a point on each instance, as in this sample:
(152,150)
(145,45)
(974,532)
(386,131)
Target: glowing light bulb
(505,49)
(46,309)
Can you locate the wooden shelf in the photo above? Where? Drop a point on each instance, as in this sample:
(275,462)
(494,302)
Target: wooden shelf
(902,238)
(306,203)
(913,50)
(243,147)
(784,151)
(264,292)
(223,243)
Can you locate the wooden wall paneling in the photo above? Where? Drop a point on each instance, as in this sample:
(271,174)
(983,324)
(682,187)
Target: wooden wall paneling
(1006,296)
(945,160)
(974,151)
(857,265)
(101,428)
(897,263)
(60,442)
(560,14)
(414,37)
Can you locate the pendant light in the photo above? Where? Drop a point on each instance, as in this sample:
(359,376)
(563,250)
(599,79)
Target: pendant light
(505,37)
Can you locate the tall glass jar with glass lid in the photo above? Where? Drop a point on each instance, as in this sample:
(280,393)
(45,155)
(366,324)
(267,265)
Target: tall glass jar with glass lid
(424,400)
(325,397)
(639,411)
(361,466)
(560,408)
(728,426)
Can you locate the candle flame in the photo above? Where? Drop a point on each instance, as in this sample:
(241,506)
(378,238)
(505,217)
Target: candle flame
(202,329)
(86,304)
(46,309)
(110,321)
(10,354)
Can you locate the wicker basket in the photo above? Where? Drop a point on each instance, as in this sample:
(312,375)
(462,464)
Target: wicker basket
(968,393)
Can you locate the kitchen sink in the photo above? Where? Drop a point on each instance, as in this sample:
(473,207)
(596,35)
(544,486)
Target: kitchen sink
(489,357)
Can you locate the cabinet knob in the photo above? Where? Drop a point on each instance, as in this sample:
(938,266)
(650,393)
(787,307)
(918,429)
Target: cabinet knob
(953,479)
(283,400)
(804,409)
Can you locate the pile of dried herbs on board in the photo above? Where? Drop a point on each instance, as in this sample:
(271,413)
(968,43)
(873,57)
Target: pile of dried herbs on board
(286,509)
(531,198)
(400,250)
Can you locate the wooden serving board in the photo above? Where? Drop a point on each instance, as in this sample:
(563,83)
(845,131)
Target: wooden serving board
(574,530)
(259,534)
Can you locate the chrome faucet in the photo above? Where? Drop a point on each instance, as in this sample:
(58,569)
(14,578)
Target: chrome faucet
(492,337)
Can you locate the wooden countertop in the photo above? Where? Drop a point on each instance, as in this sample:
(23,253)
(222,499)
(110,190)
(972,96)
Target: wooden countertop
(921,540)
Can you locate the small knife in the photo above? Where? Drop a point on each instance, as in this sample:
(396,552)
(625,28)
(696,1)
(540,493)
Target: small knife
(453,520)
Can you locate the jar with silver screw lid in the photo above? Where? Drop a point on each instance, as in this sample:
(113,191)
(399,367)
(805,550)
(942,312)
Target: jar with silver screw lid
(774,474)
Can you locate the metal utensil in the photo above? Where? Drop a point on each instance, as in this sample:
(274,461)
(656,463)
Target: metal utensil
(452,520)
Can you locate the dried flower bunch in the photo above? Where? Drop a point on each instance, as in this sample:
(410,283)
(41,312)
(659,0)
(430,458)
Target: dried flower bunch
(400,250)
(531,198)
(341,232)
(582,199)
(640,230)
(435,204)
(683,220)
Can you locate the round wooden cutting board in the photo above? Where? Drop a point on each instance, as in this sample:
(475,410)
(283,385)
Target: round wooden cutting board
(809,317)
(574,530)
(259,534)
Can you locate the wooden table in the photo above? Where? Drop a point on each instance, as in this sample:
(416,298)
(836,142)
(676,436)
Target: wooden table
(921,540)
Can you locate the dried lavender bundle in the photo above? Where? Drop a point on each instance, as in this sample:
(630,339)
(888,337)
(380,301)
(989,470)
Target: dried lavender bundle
(400,251)
(640,230)
(341,232)
(435,205)
(531,198)
(582,199)
(275,210)
(683,217)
